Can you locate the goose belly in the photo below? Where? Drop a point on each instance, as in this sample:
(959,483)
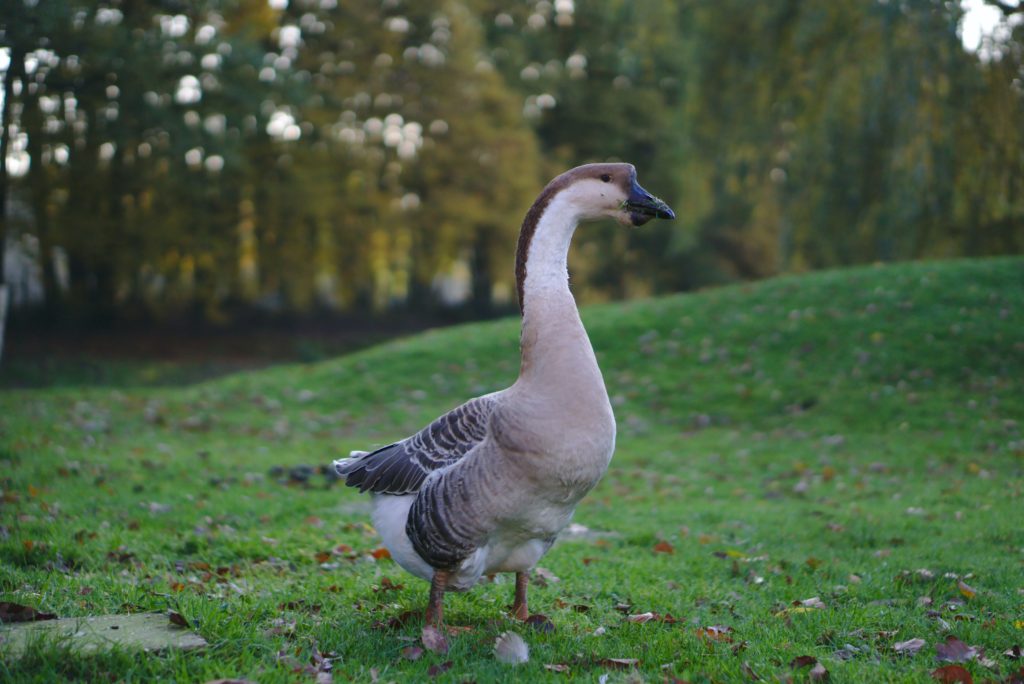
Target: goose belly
(390,514)
(511,547)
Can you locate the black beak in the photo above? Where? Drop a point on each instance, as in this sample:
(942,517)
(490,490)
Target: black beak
(643,206)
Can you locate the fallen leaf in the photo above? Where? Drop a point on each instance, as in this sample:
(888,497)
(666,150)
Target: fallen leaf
(230,681)
(435,670)
(715,633)
(664,547)
(557,667)
(641,618)
(847,652)
(13,612)
(380,553)
(281,626)
(802,661)
(618,663)
(301,605)
(542,577)
(954,651)
(510,648)
(540,622)
(967,590)
(749,672)
(399,621)
(818,673)
(433,640)
(1013,653)
(177,618)
(412,652)
(805,606)
(813,602)
(387,585)
(909,647)
(952,674)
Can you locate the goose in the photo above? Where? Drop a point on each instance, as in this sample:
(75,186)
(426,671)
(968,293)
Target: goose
(488,486)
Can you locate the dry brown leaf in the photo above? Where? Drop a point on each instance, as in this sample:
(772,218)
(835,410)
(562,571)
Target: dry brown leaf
(641,618)
(556,667)
(1013,653)
(13,612)
(749,672)
(435,670)
(433,640)
(1015,677)
(818,673)
(954,651)
(952,674)
(909,647)
(715,633)
(802,661)
(664,547)
(380,553)
(177,618)
(541,623)
(412,652)
(967,590)
(618,663)
(542,577)
(387,585)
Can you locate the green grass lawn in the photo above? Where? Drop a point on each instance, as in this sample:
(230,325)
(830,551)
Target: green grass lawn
(853,436)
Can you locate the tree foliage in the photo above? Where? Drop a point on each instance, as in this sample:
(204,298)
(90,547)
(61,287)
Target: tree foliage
(214,157)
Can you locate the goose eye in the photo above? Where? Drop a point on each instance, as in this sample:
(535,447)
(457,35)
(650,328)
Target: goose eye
(605,177)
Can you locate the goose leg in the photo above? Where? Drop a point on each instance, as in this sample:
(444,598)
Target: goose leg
(519,609)
(435,606)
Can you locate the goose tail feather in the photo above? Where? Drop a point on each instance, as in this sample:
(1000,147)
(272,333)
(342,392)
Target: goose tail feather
(344,466)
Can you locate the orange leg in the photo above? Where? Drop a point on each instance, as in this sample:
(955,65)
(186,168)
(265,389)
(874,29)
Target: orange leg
(435,606)
(519,609)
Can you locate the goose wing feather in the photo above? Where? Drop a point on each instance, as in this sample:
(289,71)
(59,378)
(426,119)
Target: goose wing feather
(401,468)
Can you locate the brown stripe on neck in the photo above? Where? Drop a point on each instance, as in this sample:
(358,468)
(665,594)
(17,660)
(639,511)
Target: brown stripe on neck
(530,227)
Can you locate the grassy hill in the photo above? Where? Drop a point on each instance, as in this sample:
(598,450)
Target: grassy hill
(853,436)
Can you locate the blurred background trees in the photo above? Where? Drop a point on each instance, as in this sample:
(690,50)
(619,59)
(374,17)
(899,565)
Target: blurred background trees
(207,159)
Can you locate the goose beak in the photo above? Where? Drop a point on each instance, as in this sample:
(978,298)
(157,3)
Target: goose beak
(643,206)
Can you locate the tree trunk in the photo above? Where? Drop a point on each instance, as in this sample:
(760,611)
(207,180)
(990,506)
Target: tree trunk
(3,316)
(15,69)
(39,193)
(482,281)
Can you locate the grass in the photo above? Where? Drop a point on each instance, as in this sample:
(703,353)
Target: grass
(851,435)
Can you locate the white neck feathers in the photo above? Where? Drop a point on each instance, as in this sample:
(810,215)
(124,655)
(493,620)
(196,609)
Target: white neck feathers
(548,252)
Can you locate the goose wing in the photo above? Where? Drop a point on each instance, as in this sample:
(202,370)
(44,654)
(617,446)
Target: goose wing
(401,468)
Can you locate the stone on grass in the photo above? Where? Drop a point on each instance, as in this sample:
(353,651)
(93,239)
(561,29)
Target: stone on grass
(143,631)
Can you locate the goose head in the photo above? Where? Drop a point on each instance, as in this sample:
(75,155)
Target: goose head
(611,191)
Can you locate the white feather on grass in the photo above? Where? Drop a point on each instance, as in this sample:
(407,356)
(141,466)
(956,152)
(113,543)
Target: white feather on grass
(511,649)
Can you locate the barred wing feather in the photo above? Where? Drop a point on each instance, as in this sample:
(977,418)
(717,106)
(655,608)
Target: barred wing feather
(401,468)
